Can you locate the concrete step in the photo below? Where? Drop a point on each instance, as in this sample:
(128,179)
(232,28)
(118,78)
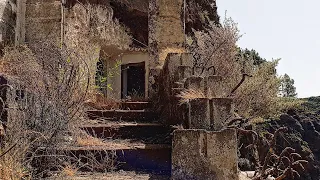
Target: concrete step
(148,132)
(125,155)
(128,105)
(136,105)
(123,115)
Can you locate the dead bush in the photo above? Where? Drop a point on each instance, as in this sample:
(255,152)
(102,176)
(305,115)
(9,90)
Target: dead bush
(216,47)
(54,83)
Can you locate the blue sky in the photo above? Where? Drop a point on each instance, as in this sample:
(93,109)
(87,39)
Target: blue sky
(286,29)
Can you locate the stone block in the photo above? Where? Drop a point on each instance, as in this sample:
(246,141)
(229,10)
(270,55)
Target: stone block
(222,110)
(199,114)
(197,71)
(214,86)
(196,83)
(187,59)
(204,155)
(183,72)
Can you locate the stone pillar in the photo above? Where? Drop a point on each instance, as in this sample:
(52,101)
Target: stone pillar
(199,154)
(196,83)
(166,34)
(214,86)
(222,111)
(199,114)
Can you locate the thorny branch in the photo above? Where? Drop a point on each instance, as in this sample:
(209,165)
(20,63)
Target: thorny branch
(288,164)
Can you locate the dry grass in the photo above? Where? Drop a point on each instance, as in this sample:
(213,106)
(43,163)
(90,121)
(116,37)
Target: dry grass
(69,171)
(217,47)
(98,101)
(164,53)
(90,141)
(11,170)
(189,94)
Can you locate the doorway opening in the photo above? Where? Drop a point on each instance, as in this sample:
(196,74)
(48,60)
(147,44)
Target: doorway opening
(133,81)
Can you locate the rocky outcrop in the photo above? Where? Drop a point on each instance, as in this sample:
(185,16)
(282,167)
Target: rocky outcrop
(199,13)
(303,135)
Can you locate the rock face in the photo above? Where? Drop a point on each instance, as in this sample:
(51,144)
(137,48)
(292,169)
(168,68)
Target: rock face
(199,13)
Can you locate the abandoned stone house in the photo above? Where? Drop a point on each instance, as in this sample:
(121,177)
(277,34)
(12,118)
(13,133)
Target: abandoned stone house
(138,33)
(146,41)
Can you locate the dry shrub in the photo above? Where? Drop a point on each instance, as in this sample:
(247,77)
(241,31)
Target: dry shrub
(69,171)
(258,95)
(55,84)
(216,47)
(83,139)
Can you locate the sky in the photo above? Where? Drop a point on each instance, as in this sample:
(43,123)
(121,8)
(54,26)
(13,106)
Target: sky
(286,29)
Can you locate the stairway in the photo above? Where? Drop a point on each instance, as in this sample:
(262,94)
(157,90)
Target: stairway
(131,137)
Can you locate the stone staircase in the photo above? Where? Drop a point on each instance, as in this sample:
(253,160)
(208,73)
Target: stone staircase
(132,137)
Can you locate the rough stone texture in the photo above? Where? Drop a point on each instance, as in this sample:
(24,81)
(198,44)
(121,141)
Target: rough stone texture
(195,83)
(43,21)
(222,111)
(199,114)
(199,154)
(183,72)
(168,83)
(198,14)
(214,86)
(20,22)
(7,17)
(166,33)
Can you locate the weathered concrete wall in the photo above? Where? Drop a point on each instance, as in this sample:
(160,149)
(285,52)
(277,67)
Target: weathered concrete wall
(199,154)
(43,20)
(7,21)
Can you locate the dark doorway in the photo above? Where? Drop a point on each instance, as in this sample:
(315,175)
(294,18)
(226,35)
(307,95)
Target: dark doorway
(133,81)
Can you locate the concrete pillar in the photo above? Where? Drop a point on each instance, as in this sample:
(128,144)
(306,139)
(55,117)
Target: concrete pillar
(183,72)
(199,114)
(214,86)
(200,154)
(195,83)
(222,111)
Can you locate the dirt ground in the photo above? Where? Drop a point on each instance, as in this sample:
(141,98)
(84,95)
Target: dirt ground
(112,176)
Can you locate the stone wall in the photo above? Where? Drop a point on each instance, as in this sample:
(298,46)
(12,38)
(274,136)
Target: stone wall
(7,20)
(43,20)
(199,154)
